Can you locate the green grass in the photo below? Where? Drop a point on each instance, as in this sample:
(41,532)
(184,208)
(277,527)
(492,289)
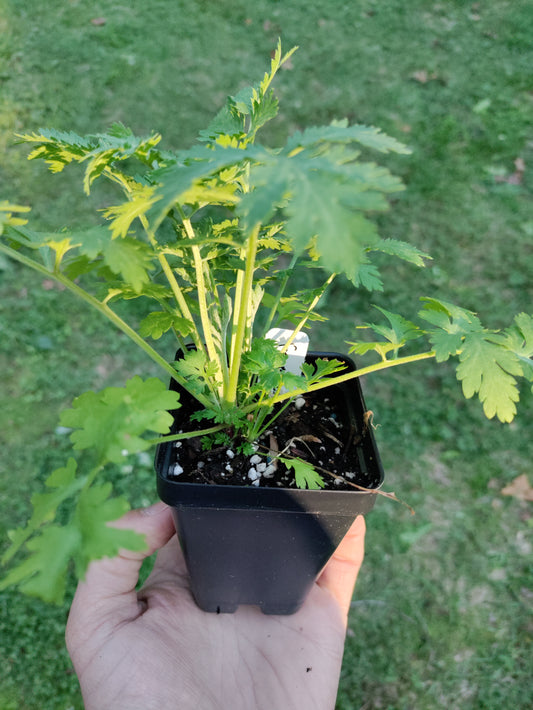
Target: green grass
(442,611)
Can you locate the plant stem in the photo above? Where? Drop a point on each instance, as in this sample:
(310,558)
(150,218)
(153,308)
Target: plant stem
(339,379)
(201,292)
(185,435)
(242,306)
(169,274)
(104,309)
(305,318)
(176,290)
(280,293)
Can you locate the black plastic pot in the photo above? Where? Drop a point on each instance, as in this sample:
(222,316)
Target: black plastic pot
(265,546)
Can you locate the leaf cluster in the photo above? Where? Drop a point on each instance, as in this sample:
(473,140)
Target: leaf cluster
(488,362)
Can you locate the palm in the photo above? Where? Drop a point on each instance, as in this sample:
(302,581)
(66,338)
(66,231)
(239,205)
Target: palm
(163,652)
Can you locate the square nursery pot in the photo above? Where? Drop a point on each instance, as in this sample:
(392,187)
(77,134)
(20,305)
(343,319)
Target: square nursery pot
(267,545)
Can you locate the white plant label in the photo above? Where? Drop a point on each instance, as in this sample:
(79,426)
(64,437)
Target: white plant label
(296,351)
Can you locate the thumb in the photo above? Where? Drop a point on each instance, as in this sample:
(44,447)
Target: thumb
(109,584)
(340,574)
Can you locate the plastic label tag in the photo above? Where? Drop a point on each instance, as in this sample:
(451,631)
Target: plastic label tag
(296,351)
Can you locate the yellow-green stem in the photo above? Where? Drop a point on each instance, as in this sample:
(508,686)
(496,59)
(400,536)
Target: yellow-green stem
(305,318)
(230,395)
(185,435)
(339,379)
(104,309)
(173,283)
(201,292)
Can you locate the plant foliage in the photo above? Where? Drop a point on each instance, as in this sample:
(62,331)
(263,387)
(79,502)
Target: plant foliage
(208,239)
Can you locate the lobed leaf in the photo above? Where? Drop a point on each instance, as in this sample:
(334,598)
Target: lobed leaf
(141,200)
(100,150)
(452,324)
(159,322)
(520,341)
(488,361)
(112,421)
(7,212)
(44,572)
(340,195)
(130,259)
(402,250)
(304,474)
(486,368)
(195,165)
(64,484)
(399,332)
(341,132)
(86,536)
(368,276)
(95,510)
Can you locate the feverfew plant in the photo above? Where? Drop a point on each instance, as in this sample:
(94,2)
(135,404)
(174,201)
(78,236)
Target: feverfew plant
(210,240)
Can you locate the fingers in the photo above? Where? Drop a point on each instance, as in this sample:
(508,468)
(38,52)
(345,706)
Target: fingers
(341,572)
(169,565)
(110,581)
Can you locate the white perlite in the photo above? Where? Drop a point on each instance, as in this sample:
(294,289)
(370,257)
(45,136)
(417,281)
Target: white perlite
(253,475)
(177,470)
(255,459)
(299,402)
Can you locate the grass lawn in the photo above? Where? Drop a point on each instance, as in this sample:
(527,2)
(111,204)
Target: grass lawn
(441,617)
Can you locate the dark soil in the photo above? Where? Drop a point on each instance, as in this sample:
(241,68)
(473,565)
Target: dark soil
(321,431)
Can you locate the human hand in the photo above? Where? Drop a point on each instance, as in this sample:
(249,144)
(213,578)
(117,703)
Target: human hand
(156,649)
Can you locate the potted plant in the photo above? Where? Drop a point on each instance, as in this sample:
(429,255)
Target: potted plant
(254,434)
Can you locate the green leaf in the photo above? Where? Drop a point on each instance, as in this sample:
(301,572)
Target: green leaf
(341,132)
(520,342)
(341,232)
(304,474)
(377,346)
(486,368)
(339,194)
(201,374)
(43,573)
(87,536)
(112,421)
(320,368)
(452,323)
(400,332)
(57,148)
(402,250)
(195,165)
(159,322)
(488,363)
(263,357)
(250,109)
(64,484)
(227,122)
(368,276)
(94,511)
(7,217)
(100,151)
(142,198)
(129,258)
